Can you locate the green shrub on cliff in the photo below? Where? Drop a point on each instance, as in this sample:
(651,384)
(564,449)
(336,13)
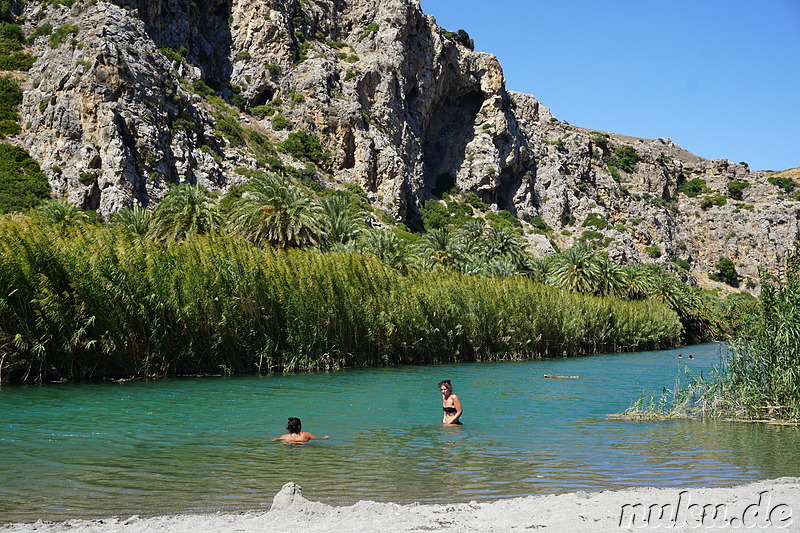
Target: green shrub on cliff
(304,145)
(10,98)
(61,33)
(596,220)
(693,187)
(11,55)
(726,272)
(786,184)
(736,189)
(22,182)
(461,37)
(624,158)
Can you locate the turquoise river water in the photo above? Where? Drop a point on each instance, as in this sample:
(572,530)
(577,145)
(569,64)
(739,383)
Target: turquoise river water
(90,450)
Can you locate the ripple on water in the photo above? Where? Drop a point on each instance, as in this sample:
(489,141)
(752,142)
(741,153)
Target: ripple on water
(204,444)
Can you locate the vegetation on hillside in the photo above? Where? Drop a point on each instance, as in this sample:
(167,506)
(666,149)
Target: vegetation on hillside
(22,182)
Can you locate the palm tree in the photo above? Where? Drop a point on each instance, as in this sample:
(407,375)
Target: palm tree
(343,221)
(577,270)
(637,281)
(186,211)
(539,268)
(611,281)
(274,212)
(669,290)
(471,232)
(135,220)
(440,248)
(505,243)
(500,267)
(388,247)
(60,213)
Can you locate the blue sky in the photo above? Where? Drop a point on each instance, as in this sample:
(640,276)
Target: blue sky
(719,77)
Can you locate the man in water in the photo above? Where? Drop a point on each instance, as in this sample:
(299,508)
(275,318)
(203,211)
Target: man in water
(296,433)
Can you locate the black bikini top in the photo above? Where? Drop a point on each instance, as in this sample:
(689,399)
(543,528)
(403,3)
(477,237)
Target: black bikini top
(449,410)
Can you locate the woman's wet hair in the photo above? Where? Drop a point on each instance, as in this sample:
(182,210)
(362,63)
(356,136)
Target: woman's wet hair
(446,383)
(294,425)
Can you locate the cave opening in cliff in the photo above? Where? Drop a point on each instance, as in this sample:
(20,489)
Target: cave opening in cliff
(262,97)
(450,129)
(444,183)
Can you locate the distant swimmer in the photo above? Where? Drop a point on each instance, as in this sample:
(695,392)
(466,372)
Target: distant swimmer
(451,405)
(680,356)
(551,376)
(296,433)
(691,357)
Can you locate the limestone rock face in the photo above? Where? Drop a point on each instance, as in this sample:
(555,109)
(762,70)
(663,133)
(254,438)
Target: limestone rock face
(643,215)
(107,118)
(407,111)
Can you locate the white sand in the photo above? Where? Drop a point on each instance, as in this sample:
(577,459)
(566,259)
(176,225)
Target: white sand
(763,506)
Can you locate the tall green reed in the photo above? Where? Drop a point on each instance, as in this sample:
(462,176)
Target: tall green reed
(102,302)
(759,376)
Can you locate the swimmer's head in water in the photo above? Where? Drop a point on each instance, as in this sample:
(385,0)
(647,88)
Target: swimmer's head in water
(294,425)
(445,385)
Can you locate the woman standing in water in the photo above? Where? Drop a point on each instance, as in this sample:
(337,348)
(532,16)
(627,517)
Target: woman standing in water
(451,405)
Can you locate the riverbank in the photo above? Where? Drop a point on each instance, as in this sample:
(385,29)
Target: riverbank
(772,505)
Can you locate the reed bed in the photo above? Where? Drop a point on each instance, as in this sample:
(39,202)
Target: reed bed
(100,302)
(759,375)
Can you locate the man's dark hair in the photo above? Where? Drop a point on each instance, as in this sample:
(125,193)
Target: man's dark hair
(294,425)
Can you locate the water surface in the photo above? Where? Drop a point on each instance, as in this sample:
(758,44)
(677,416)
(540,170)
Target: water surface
(204,444)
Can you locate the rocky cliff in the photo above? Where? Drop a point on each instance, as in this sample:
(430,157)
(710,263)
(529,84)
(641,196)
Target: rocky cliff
(129,98)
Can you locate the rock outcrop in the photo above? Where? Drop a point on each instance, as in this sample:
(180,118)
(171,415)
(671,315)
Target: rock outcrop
(135,97)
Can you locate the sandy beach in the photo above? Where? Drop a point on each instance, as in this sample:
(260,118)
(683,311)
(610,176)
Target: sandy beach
(772,505)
